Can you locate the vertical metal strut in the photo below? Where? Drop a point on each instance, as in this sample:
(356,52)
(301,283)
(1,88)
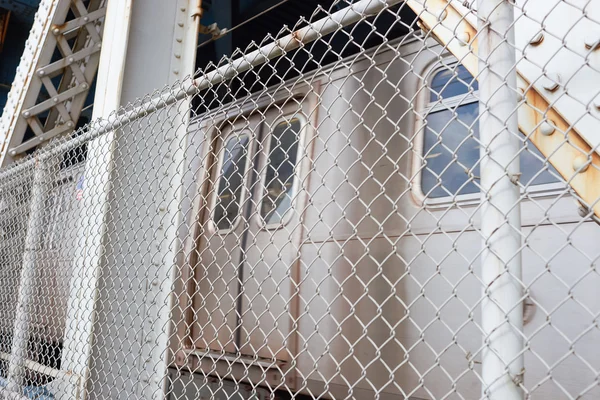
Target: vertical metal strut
(502,313)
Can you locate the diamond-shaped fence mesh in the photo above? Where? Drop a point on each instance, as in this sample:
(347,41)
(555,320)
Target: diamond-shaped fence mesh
(338,212)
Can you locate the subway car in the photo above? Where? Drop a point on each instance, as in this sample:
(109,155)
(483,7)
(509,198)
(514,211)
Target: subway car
(332,243)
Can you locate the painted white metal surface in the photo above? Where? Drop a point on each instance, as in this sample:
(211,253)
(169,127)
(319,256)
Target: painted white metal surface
(562,67)
(23,318)
(501,310)
(84,283)
(164,265)
(30,59)
(158,48)
(36,102)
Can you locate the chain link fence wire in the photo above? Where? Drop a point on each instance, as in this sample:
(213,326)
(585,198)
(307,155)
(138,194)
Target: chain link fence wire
(342,211)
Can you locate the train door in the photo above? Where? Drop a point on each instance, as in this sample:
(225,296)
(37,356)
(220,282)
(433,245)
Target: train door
(250,235)
(219,252)
(271,244)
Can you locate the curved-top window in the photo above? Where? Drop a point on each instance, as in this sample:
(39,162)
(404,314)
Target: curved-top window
(280,171)
(233,170)
(451,150)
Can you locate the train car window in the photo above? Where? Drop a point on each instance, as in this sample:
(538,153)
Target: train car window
(234,156)
(450,145)
(57,206)
(280,171)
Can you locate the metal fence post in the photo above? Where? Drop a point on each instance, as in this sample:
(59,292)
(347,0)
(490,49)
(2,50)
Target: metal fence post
(502,314)
(24,314)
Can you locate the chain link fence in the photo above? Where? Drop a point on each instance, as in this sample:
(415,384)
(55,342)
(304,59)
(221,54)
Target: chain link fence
(362,207)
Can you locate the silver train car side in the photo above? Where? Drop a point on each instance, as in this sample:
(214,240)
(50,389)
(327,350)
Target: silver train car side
(362,280)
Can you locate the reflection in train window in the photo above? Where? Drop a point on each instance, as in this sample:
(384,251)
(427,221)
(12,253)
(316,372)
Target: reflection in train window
(233,169)
(451,140)
(58,203)
(280,171)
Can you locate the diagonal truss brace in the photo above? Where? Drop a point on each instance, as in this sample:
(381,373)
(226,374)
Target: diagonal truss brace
(55,75)
(455,27)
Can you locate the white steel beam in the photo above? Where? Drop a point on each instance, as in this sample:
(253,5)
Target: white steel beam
(23,318)
(158,49)
(83,288)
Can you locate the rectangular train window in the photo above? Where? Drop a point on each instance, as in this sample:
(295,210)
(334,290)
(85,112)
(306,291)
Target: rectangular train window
(451,152)
(234,157)
(280,171)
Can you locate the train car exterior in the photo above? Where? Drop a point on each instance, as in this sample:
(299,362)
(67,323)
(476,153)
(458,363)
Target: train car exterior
(337,240)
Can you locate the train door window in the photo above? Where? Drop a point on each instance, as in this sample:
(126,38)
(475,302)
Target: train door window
(234,157)
(451,151)
(280,172)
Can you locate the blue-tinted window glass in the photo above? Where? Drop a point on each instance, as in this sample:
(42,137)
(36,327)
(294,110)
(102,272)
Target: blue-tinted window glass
(447,136)
(231,181)
(281,166)
(452,82)
(450,135)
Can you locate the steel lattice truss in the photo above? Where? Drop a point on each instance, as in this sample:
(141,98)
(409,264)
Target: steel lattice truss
(55,74)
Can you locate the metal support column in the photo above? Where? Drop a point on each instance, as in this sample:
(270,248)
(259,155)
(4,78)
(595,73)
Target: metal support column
(502,312)
(27,284)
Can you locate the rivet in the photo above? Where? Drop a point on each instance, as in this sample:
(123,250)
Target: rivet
(537,39)
(84,85)
(70,124)
(41,72)
(55,99)
(86,19)
(463,38)
(182,9)
(180,24)
(177,55)
(176,71)
(41,139)
(13,152)
(56,31)
(580,163)
(178,40)
(592,41)
(155,283)
(26,114)
(551,82)
(70,60)
(547,128)
(99,45)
